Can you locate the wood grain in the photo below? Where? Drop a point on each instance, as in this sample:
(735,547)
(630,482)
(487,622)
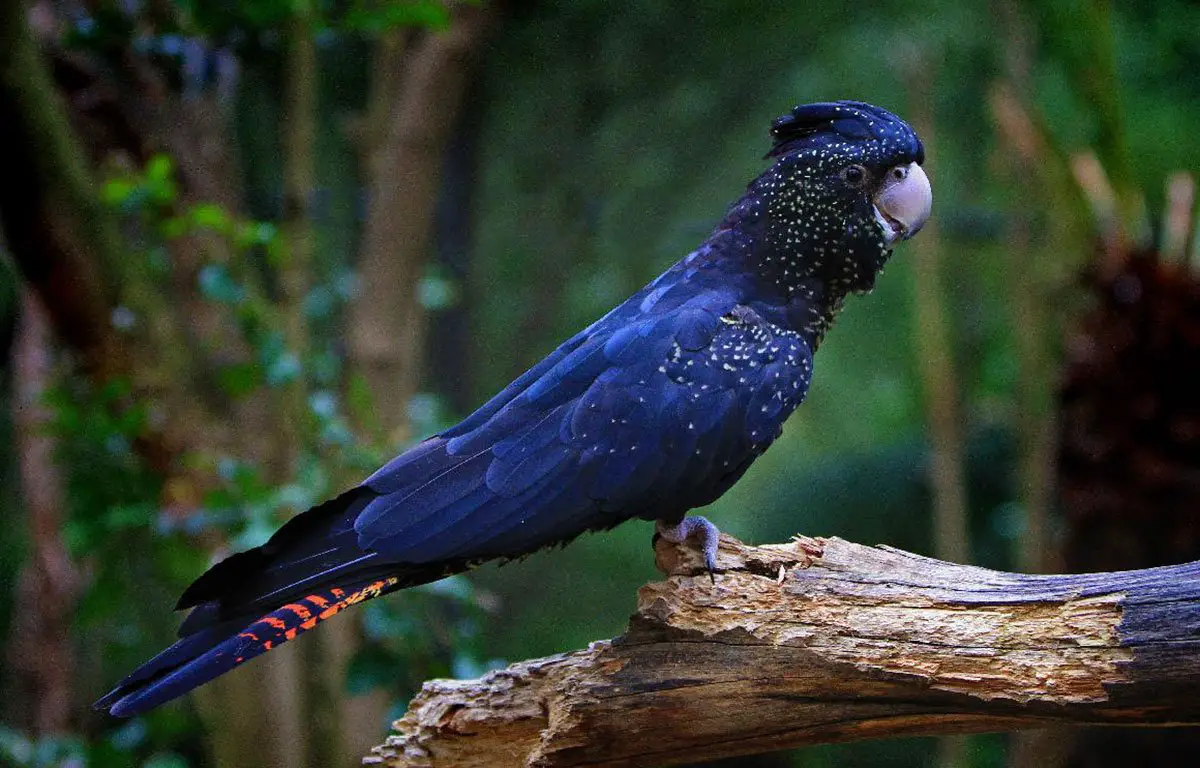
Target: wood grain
(820,641)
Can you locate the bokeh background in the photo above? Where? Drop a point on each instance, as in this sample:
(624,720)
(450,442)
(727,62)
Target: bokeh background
(250,249)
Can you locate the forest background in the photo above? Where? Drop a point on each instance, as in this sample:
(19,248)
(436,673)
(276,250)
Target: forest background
(252,249)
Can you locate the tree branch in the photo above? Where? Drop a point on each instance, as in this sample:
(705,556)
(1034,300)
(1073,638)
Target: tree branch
(854,642)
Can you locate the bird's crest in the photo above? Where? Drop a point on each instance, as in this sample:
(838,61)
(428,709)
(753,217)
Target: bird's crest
(842,121)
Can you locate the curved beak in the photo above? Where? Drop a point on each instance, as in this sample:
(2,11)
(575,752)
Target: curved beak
(903,202)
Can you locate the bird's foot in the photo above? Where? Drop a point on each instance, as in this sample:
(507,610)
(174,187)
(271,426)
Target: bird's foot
(694,526)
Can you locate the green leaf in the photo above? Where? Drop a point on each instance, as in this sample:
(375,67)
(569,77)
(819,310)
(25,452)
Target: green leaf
(160,183)
(375,18)
(116,191)
(383,620)
(465,666)
(323,404)
(239,379)
(294,496)
(129,516)
(15,747)
(256,234)
(359,401)
(173,227)
(210,216)
(77,536)
(158,170)
(458,588)
(256,533)
(129,736)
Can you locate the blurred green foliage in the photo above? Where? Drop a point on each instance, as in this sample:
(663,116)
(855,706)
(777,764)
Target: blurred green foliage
(139,555)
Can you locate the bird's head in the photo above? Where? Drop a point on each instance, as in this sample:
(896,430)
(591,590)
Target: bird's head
(847,185)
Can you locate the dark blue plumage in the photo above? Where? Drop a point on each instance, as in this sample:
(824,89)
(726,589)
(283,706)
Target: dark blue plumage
(655,409)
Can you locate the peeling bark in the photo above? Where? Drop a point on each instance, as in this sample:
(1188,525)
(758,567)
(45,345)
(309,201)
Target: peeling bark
(822,641)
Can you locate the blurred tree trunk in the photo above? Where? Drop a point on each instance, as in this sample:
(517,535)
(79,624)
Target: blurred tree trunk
(404,172)
(40,654)
(193,129)
(265,428)
(58,233)
(68,248)
(1025,154)
(1026,157)
(935,356)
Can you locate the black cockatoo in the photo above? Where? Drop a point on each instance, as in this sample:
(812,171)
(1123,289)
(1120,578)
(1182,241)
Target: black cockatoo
(655,409)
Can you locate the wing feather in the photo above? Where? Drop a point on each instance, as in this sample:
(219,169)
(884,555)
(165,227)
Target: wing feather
(642,417)
(392,514)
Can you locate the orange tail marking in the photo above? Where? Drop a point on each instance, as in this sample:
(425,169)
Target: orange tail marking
(287,621)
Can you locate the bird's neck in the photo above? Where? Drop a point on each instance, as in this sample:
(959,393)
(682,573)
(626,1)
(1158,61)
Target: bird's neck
(801,280)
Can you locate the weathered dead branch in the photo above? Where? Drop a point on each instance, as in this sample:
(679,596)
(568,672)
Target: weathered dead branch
(823,640)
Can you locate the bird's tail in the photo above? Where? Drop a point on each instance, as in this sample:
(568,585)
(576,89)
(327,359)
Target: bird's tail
(210,646)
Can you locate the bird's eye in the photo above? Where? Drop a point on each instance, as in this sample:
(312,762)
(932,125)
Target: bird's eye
(855,175)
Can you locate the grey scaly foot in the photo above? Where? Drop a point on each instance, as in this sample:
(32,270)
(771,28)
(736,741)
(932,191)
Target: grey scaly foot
(694,526)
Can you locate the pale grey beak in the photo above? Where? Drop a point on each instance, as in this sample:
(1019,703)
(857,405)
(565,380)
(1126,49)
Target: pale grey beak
(903,202)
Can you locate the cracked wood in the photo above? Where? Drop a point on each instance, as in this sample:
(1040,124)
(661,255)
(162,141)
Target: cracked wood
(819,641)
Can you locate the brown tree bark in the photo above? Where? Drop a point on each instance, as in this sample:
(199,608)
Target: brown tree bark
(820,641)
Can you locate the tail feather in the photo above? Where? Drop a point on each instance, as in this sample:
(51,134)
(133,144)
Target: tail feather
(314,542)
(208,652)
(184,650)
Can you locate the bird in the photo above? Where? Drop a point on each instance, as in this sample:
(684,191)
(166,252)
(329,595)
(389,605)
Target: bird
(654,410)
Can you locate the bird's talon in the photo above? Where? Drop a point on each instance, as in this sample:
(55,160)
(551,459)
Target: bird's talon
(694,526)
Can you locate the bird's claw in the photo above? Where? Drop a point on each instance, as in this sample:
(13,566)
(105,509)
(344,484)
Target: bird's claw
(694,526)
